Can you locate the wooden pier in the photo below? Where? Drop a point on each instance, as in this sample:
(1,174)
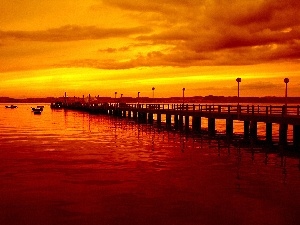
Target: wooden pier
(181,113)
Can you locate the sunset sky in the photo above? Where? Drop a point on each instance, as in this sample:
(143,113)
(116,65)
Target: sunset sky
(98,47)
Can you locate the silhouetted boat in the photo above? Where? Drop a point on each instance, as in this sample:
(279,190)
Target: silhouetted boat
(11,106)
(37,110)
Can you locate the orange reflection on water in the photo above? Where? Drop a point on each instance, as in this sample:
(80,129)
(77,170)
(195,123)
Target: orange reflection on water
(67,167)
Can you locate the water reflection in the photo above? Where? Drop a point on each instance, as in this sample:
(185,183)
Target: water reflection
(67,167)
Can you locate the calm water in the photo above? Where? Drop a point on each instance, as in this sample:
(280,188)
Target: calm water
(65,167)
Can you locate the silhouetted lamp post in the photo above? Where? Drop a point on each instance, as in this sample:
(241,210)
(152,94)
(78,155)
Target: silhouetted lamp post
(153,92)
(286,80)
(238,80)
(183,89)
(116,94)
(121,95)
(138,97)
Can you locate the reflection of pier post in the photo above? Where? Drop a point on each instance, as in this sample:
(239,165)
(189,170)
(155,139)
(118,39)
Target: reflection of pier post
(211,126)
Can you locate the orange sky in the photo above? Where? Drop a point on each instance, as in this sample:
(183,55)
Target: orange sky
(98,47)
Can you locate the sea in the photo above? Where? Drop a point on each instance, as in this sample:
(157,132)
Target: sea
(66,167)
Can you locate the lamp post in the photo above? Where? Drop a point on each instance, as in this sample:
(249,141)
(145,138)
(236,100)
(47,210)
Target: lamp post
(138,97)
(121,95)
(238,80)
(116,94)
(286,80)
(183,89)
(153,92)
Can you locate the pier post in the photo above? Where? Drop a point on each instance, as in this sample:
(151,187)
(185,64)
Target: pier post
(246,129)
(269,132)
(176,121)
(211,126)
(229,127)
(283,133)
(134,116)
(187,123)
(180,122)
(142,117)
(120,113)
(296,136)
(253,129)
(196,123)
(168,120)
(150,117)
(158,118)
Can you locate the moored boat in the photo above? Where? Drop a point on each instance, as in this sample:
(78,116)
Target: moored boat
(37,110)
(11,106)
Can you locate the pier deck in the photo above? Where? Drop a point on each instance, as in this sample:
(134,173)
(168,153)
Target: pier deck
(249,114)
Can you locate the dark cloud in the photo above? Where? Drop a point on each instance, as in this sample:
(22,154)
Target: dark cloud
(188,33)
(260,86)
(113,50)
(251,32)
(72,33)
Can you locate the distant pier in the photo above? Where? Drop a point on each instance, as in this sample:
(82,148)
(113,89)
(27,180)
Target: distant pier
(181,113)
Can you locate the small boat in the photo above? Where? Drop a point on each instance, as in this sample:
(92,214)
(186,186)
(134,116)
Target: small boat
(37,110)
(11,106)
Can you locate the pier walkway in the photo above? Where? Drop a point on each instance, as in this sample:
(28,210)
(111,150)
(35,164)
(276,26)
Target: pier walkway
(181,113)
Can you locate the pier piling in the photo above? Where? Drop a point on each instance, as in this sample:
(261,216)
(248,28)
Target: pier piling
(211,126)
(196,123)
(144,113)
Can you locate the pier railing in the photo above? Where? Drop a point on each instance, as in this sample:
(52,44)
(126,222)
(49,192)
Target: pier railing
(223,109)
(258,110)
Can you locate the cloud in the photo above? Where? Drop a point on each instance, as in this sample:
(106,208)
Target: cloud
(72,33)
(222,31)
(180,34)
(260,86)
(113,50)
